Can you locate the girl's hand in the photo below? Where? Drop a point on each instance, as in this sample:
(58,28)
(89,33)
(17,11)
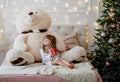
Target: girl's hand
(53,54)
(54,51)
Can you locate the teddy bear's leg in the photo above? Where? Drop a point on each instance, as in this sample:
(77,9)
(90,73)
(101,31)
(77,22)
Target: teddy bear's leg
(74,54)
(17,57)
(29,57)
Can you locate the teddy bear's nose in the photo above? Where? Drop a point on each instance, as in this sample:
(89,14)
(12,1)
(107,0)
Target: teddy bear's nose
(30,13)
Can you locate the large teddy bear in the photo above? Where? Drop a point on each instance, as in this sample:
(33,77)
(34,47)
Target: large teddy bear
(33,26)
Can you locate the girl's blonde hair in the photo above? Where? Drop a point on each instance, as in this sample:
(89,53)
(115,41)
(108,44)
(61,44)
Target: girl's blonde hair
(53,42)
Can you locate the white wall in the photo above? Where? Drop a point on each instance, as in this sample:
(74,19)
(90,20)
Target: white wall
(61,12)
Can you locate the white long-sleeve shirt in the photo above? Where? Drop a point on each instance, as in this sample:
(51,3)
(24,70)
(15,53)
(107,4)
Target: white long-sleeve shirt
(46,57)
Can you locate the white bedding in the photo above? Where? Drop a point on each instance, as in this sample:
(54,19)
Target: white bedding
(81,73)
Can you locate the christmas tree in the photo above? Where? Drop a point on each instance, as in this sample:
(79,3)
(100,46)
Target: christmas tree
(106,55)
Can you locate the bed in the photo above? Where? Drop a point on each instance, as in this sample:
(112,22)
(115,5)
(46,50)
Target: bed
(83,71)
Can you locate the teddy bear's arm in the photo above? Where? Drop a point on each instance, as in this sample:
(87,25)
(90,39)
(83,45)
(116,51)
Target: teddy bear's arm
(19,42)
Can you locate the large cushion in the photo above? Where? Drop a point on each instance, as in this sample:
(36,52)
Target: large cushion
(67,29)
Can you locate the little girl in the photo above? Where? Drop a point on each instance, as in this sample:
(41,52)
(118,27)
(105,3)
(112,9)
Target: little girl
(50,55)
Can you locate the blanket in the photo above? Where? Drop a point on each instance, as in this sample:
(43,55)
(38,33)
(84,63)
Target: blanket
(31,78)
(81,73)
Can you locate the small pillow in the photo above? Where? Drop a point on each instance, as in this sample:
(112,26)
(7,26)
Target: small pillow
(71,40)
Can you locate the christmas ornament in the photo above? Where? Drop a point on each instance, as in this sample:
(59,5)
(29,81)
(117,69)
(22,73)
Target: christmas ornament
(107,63)
(117,25)
(103,34)
(111,40)
(118,53)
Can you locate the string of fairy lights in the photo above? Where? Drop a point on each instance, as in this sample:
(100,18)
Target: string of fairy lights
(65,8)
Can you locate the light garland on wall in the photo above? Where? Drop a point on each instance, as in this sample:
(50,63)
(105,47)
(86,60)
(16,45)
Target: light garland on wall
(71,9)
(16,10)
(66,5)
(1,6)
(42,1)
(1,27)
(87,34)
(87,27)
(68,9)
(78,22)
(55,8)
(57,1)
(1,31)
(97,8)
(36,0)
(14,3)
(1,37)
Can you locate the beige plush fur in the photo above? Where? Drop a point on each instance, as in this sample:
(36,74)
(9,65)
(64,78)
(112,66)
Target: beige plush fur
(30,43)
(27,45)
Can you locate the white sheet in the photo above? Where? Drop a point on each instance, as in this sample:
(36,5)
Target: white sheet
(81,73)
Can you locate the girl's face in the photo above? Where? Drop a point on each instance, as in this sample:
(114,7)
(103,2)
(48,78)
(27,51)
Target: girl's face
(47,42)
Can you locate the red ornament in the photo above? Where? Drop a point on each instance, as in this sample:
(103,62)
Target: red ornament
(54,51)
(107,63)
(103,34)
(111,40)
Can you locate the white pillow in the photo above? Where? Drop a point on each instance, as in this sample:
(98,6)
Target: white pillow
(71,40)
